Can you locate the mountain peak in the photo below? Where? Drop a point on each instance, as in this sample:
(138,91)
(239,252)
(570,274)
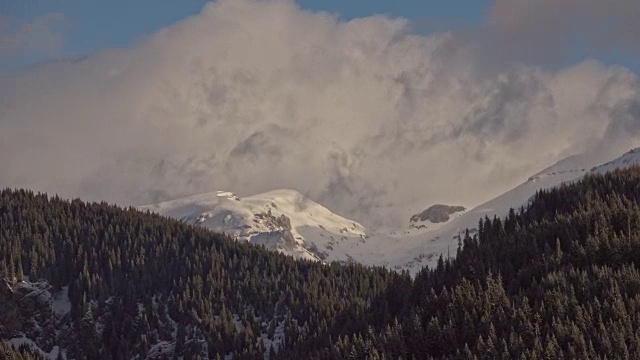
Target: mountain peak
(227,195)
(282,220)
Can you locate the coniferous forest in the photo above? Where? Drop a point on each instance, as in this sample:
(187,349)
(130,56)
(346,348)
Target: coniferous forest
(556,279)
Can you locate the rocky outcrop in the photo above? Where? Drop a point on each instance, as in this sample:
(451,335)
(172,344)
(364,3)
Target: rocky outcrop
(273,222)
(437,213)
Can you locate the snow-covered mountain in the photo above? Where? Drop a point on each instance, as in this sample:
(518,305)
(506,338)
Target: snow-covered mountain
(287,221)
(566,171)
(419,250)
(282,220)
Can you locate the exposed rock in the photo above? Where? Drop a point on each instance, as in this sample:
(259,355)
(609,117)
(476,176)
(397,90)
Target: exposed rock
(273,222)
(437,213)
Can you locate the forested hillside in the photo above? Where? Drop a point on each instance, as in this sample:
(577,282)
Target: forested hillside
(557,279)
(141,284)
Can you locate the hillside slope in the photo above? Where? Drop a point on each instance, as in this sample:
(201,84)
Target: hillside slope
(93,281)
(557,279)
(413,252)
(282,220)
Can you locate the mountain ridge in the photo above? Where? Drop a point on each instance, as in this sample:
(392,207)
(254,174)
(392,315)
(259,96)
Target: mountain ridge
(280,220)
(330,237)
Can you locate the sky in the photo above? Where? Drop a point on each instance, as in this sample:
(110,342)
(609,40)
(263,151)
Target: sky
(376,110)
(74,28)
(87,26)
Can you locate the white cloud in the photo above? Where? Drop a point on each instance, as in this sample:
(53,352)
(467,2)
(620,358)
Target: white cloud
(248,96)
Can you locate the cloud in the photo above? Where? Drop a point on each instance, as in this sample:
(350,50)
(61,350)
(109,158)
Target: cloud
(363,116)
(43,34)
(541,29)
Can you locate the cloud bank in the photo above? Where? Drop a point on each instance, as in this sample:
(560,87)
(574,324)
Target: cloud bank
(363,116)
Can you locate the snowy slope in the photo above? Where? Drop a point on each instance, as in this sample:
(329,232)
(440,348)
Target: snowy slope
(282,220)
(41,300)
(415,251)
(286,221)
(629,159)
(567,171)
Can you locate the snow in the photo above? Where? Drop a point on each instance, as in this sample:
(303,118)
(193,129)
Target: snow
(161,349)
(276,342)
(407,253)
(629,159)
(319,234)
(238,322)
(39,289)
(23,340)
(411,249)
(60,302)
(280,220)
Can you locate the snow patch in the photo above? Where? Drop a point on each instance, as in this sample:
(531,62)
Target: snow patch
(61,305)
(23,340)
(275,342)
(162,348)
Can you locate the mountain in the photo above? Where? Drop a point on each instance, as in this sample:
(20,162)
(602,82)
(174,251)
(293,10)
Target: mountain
(286,221)
(94,281)
(444,240)
(282,220)
(540,283)
(556,279)
(566,171)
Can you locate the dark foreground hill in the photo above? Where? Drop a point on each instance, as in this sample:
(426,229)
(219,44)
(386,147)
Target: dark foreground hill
(555,280)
